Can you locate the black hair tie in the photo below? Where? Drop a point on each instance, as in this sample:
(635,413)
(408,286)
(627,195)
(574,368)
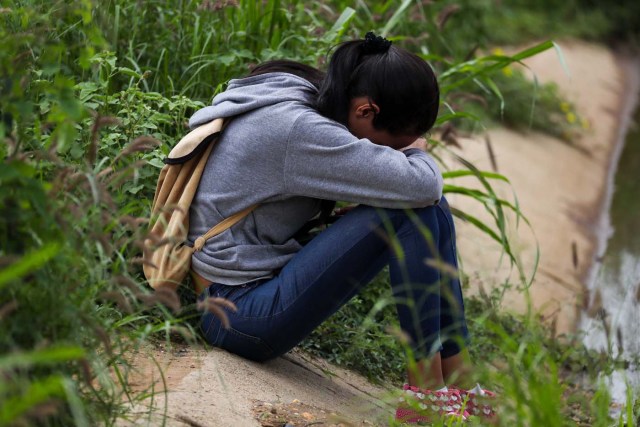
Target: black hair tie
(374,44)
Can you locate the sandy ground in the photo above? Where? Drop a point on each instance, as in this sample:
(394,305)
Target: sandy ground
(560,189)
(216,388)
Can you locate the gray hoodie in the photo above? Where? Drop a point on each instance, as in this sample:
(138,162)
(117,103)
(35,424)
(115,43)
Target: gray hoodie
(280,153)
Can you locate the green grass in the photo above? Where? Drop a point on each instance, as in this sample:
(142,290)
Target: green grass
(92,97)
(541,379)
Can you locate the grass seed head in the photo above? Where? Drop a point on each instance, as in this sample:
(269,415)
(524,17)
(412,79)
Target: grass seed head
(215,306)
(140,144)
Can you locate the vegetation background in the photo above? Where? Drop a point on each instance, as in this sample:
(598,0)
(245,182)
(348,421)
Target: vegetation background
(94,94)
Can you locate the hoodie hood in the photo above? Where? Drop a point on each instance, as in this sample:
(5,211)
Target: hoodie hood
(251,93)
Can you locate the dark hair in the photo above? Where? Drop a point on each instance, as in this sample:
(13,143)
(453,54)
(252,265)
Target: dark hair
(402,84)
(313,75)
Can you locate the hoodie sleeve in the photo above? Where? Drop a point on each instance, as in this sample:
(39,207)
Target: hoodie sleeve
(324,160)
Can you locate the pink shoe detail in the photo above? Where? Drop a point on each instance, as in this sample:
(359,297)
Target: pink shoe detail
(418,405)
(479,402)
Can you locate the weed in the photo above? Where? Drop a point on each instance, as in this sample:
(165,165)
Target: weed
(92,96)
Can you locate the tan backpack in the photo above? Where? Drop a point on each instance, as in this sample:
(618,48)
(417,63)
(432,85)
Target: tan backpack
(166,256)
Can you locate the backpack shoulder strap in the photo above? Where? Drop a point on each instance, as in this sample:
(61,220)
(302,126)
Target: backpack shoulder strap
(193,143)
(221,226)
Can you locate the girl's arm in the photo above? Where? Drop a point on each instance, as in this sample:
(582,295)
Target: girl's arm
(324,160)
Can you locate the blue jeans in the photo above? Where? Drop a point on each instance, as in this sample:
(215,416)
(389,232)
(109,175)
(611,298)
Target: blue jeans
(418,245)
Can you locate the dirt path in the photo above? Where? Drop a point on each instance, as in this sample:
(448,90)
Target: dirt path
(216,388)
(560,187)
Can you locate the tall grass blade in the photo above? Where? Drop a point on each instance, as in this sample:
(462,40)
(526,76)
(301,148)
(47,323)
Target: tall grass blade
(28,263)
(37,392)
(485,174)
(561,58)
(395,18)
(340,26)
(45,356)
(75,403)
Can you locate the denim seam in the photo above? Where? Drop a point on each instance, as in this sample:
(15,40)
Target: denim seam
(257,340)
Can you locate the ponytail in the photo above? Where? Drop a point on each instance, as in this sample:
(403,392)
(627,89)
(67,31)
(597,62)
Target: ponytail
(333,100)
(402,84)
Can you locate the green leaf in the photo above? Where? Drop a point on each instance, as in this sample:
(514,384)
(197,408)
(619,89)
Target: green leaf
(38,392)
(485,174)
(340,26)
(136,189)
(458,115)
(156,162)
(485,66)
(395,18)
(129,72)
(479,224)
(28,263)
(45,356)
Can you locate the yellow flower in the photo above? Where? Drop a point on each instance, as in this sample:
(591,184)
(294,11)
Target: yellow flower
(565,107)
(498,51)
(571,118)
(507,71)
(585,124)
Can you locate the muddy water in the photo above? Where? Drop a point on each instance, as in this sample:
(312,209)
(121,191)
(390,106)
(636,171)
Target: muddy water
(613,322)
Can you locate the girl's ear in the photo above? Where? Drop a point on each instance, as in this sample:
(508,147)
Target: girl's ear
(367,109)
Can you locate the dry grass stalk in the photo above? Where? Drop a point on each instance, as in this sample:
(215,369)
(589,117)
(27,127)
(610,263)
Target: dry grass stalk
(399,334)
(104,172)
(182,331)
(104,338)
(483,294)
(595,306)
(119,299)
(127,282)
(86,372)
(449,135)
(99,122)
(468,96)
(492,155)
(104,242)
(140,144)
(140,260)
(117,178)
(215,306)
(163,296)
(41,411)
(133,222)
(8,308)
(442,266)
(620,340)
(445,14)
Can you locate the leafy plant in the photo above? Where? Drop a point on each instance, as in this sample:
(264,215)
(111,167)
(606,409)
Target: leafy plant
(93,95)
